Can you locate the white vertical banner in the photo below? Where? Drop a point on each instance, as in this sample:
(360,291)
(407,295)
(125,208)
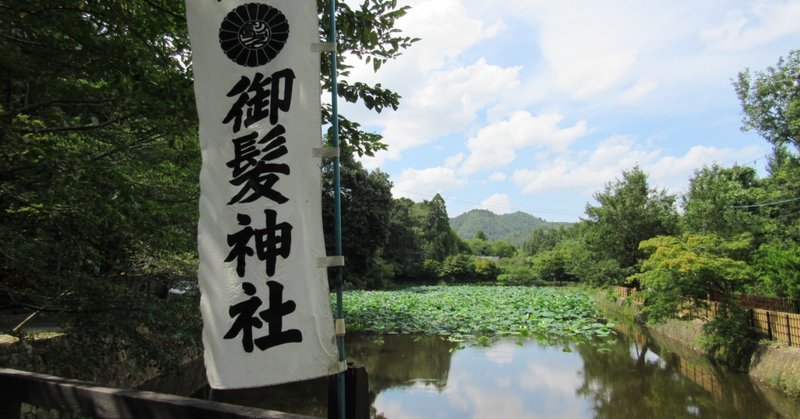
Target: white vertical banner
(264,292)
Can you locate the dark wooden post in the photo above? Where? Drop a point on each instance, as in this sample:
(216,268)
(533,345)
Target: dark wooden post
(789,329)
(752,318)
(356,392)
(769,327)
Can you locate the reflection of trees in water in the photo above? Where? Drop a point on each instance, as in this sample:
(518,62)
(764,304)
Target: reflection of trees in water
(391,361)
(622,378)
(626,378)
(402,360)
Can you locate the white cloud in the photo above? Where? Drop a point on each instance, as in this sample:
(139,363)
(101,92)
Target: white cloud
(607,161)
(434,22)
(561,382)
(673,173)
(762,23)
(638,91)
(497,203)
(498,177)
(521,109)
(496,144)
(424,183)
(453,161)
(447,102)
(617,154)
(589,47)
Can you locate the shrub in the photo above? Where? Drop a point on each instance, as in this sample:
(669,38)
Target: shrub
(728,337)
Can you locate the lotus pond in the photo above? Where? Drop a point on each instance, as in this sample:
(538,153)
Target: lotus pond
(481,312)
(513,352)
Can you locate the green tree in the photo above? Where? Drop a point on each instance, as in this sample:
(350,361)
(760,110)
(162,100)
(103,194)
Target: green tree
(718,198)
(683,271)
(485,269)
(367,33)
(440,240)
(542,239)
(404,245)
(550,265)
(629,211)
(99,157)
(366,200)
(777,267)
(781,192)
(503,249)
(480,247)
(771,100)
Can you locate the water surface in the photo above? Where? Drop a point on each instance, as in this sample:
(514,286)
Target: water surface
(624,377)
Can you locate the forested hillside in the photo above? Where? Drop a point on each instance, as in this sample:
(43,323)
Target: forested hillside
(512,228)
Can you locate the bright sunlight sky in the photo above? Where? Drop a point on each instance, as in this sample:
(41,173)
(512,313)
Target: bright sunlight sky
(534,105)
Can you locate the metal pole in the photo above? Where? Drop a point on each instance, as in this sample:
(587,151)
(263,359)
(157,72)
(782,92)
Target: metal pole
(337,200)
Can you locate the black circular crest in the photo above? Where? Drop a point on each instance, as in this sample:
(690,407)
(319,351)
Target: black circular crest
(253,34)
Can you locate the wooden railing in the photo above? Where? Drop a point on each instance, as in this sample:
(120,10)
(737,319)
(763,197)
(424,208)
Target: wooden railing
(17,387)
(776,325)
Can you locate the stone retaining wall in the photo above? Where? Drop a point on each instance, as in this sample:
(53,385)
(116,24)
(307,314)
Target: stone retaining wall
(774,365)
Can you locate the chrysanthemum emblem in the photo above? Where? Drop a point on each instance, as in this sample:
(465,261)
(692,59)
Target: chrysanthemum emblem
(253,34)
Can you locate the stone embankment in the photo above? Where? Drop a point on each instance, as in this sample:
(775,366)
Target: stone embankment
(774,365)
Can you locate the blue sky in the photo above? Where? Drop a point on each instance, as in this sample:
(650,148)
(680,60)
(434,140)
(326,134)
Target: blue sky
(528,105)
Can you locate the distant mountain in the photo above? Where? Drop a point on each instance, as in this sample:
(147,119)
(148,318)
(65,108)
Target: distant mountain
(512,228)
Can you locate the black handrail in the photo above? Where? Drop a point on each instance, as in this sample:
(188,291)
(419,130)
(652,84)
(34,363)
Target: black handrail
(17,387)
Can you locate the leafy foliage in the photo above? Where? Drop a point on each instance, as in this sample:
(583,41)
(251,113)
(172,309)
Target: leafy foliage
(551,266)
(483,247)
(367,33)
(629,211)
(715,193)
(440,240)
(682,271)
(728,337)
(366,206)
(771,100)
(99,156)
(542,239)
(691,266)
(777,265)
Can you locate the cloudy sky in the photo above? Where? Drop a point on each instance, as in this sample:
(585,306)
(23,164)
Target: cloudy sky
(534,105)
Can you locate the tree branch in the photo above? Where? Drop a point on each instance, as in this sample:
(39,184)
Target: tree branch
(72,128)
(174,15)
(22,41)
(31,107)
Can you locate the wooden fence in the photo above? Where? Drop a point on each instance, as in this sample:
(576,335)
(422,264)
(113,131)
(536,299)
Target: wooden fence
(780,326)
(766,303)
(777,325)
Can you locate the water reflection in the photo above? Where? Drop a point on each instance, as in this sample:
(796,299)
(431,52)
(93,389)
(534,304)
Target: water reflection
(402,361)
(617,378)
(626,377)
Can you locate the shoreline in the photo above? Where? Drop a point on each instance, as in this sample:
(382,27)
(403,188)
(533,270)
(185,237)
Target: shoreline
(773,365)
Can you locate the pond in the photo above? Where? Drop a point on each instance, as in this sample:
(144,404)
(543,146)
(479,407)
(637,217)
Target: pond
(628,376)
